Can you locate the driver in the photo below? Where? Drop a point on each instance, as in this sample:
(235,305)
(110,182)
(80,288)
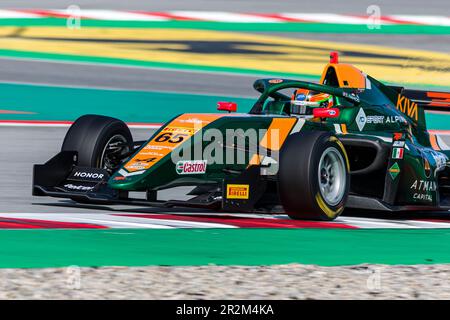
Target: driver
(303,98)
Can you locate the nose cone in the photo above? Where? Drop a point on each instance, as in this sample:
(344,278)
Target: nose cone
(155,155)
(123,179)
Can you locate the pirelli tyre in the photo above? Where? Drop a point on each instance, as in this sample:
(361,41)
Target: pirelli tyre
(313,176)
(101,142)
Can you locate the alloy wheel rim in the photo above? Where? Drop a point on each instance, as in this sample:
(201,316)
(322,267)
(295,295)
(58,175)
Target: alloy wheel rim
(332,176)
(113,151)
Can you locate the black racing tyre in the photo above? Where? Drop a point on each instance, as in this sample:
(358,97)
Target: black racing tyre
(313,176)
(101,142)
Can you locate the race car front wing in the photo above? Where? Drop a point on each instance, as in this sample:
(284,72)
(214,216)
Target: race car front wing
(60,177)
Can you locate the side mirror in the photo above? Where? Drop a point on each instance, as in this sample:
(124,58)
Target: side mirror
(326,112)
(227,106)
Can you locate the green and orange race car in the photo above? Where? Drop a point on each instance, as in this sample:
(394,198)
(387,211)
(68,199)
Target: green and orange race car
(310,150)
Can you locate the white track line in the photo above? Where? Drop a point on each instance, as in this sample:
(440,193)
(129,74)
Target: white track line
(327,18)
(12,14)
(428,20)
(49,124)
(112,15)
(120,221)
(97,219)
(221,16)
(115,220)
(370,223)
(224,17)
(26,124)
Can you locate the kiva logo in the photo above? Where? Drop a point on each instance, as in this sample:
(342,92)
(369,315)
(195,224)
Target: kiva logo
(191,167)
(407,107)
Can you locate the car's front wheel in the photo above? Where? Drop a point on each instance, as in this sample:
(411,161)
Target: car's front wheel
(313,176)
(101,142)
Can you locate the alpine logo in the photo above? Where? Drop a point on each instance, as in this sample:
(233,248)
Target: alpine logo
(191,167)
(361,119)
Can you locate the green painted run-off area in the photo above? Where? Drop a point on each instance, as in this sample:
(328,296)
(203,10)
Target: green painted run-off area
(67,104)
(181,247)
(57,103)
(236,26)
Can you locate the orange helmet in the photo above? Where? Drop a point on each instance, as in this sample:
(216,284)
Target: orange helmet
(303,98)
(313,98)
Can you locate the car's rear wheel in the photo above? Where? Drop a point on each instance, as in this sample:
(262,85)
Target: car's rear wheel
(313,176)
(101,142)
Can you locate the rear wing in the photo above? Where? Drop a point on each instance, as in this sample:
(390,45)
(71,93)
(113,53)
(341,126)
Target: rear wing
(428,100)
(419,102)
(414,103)
(431,101)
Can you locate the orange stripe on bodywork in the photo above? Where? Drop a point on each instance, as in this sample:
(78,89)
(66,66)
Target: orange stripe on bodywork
(439,99)
(434,143)
(344,128)
(277,133)
(174,134)
(255,160)
(439,95)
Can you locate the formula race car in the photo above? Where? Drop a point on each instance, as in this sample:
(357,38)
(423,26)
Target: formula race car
(310,150)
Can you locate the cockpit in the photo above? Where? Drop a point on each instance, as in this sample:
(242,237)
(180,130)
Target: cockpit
(341,85)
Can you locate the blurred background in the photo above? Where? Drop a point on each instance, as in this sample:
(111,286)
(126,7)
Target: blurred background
(166,56)
(147,61)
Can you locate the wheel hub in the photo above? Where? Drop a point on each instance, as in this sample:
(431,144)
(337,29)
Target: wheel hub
(112,154)
(332,176)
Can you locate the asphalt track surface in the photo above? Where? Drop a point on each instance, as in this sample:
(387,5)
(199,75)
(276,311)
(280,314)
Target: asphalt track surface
(124,78)
(348,6)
